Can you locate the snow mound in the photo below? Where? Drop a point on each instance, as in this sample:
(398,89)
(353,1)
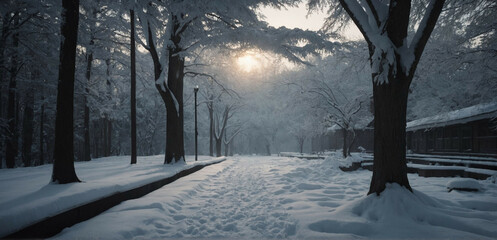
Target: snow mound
(336,160)
(399,213)
(464,184)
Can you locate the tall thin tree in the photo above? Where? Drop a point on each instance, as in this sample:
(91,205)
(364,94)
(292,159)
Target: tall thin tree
(41,160)
(27,124)
(63,167)
(12,139)
(133,87)
(89,60)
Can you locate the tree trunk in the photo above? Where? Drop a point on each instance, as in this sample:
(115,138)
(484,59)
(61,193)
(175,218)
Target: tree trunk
(50,140)
(27,128)
(390,98)
(2,135)
(218,147)
(211,126)
(42,117)
(96,138)
(12,144)
(133,88)
(390,104)
(106,136)
(87,148)
(344,135)
(103,132)
(109,137)
(12,141)
(175,148)
(301,147)
(226,148)
(3,38)
(268,149)
(63,167)
(172,92)
(351,142)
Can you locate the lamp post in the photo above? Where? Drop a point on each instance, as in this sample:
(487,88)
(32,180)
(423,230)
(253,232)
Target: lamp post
(195,90)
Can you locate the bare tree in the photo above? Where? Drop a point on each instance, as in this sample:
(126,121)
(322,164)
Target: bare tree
(341,109)
(220,123)
(228,138)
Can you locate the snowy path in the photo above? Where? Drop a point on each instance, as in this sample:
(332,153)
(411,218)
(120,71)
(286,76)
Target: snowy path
(275,197)
(27,197)
(230,199)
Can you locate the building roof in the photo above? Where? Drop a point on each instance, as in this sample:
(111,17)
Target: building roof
(464,115)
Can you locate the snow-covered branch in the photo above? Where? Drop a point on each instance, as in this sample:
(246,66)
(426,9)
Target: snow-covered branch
(422,35)
(359,17)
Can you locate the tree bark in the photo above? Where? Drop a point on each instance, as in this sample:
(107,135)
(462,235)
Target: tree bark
(27,128)
(12,141)
(211,126)
(103,132)
(3,38)
(172,91)
(226,149)
(133,88)
(63,167)
(390,104)
(42,117)
(344,135)
(87,146)
(96,138)
(351,142)
(109,137)
(12,144)
(173,97)
(218,147)
(175,149)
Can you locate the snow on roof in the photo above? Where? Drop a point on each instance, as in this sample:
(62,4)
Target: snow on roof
(464,115)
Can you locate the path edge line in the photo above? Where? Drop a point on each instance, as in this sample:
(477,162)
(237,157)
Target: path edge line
(53,225)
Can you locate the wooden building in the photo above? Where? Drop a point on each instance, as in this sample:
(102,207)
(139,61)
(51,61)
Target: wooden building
(471,130)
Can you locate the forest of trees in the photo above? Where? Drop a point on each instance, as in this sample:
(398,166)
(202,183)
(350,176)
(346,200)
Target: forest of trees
(136,62)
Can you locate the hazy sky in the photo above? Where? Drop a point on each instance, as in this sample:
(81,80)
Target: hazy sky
(297,18)
(294,18)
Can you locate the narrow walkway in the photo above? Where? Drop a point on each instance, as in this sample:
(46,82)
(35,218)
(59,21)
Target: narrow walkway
(52,225)
(233,198)
(239,196)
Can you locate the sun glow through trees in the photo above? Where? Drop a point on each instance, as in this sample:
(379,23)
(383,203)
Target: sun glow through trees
(248,62)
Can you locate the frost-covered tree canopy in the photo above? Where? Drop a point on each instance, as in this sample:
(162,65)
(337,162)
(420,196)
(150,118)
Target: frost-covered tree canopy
(458,67)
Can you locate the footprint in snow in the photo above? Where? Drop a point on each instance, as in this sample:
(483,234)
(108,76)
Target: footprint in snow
(307,186)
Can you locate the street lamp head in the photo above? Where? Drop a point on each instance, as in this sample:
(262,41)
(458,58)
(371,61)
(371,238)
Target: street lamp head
(196,88)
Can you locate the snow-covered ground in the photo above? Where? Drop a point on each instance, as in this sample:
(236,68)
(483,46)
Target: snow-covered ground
(277,197)
(27,197)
